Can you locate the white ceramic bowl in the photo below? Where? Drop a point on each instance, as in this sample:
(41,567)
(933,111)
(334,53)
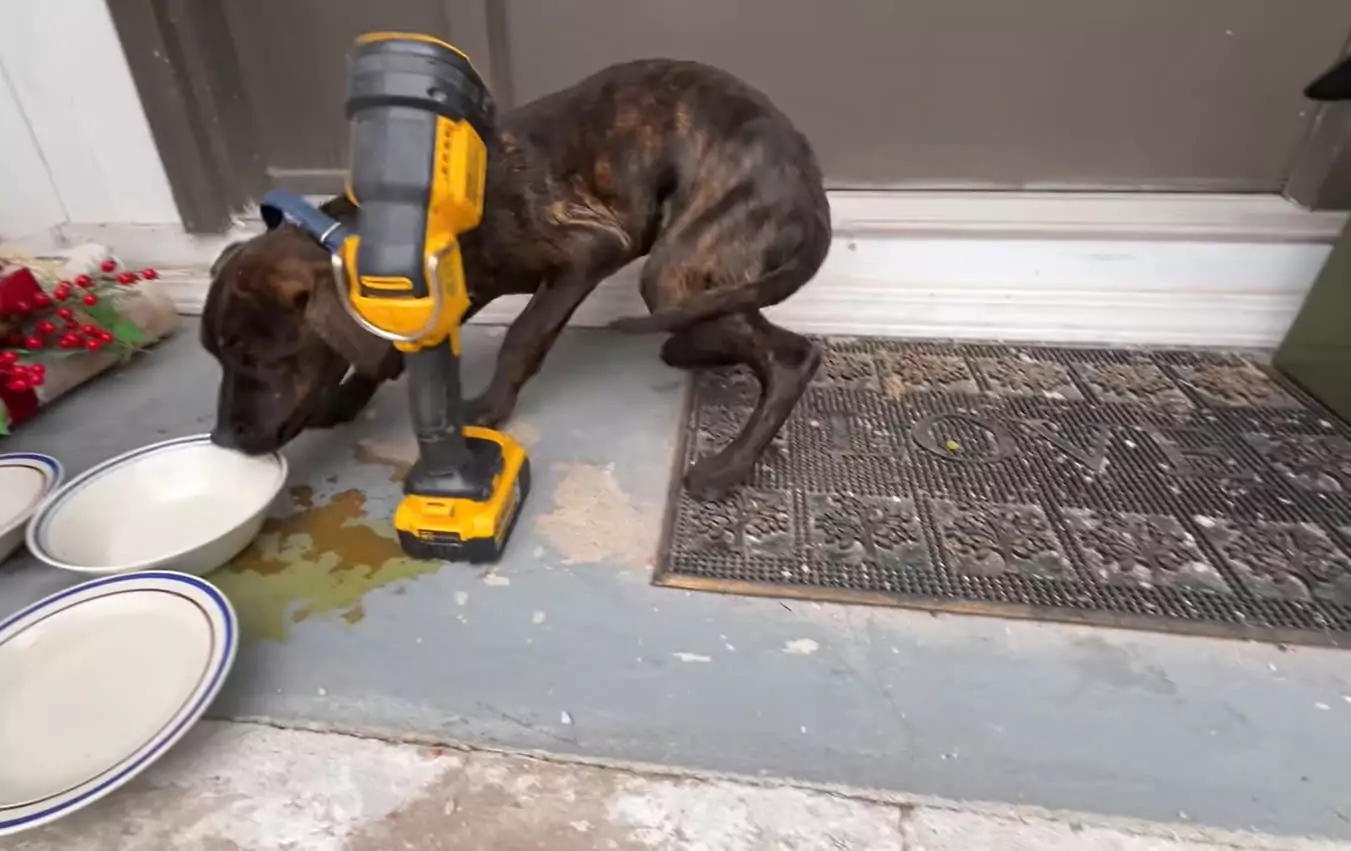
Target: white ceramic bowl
(25,479)
(184,504)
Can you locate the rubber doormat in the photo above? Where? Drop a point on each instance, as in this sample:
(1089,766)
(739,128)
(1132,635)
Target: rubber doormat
(1176,491)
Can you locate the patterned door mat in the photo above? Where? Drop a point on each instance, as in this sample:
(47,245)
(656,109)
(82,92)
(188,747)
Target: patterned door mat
(1178,491)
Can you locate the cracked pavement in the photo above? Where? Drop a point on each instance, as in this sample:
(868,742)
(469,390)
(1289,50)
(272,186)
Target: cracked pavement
(252,787)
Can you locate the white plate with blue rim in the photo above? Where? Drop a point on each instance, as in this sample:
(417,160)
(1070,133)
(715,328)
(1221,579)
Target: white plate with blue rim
(101,680)
(25,479)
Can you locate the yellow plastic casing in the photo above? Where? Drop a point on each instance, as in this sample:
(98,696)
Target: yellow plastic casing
(470,520)
(456,205)
(373,37)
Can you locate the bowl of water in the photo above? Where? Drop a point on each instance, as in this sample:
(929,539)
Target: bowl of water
(185,504)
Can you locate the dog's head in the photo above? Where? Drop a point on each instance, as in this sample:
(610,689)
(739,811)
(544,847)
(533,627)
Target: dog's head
(1333,85)
(274,321)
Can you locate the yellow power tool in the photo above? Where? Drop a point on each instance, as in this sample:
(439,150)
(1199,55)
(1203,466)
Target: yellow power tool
(419,114)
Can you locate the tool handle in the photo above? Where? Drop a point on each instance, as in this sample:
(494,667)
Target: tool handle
(434,404)
(450,465)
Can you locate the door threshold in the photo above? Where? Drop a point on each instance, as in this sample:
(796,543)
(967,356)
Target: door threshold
(1111,268)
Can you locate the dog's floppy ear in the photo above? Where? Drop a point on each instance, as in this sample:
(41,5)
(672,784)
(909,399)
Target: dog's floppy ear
(214,293)
(327,315)
(226,253)
(1333,85)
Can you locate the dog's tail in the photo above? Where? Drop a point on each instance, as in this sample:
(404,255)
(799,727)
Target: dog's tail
(761,292)
(764,291)
(1333,85)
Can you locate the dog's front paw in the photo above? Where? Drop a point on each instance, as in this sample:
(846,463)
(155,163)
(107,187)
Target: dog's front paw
(710,483)
(487,411)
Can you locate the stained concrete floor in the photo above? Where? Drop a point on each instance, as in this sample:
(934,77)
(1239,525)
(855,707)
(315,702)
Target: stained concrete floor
(566,648)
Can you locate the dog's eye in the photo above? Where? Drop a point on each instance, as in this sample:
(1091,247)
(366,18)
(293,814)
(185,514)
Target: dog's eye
(291,292)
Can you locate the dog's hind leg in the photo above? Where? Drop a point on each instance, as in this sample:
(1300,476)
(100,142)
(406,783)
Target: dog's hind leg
(699,348)
(686,266)
(783,363)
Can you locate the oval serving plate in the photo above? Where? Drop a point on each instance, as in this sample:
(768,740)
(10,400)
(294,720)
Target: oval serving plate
(25,479)
(100,680)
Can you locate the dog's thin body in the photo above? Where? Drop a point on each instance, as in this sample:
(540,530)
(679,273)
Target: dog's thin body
(673,161)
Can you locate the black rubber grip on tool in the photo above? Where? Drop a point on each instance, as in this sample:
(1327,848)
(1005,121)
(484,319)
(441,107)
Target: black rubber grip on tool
(449,464)
(421,75)
(397,91)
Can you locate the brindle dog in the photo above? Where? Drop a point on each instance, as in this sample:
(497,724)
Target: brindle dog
(676,161)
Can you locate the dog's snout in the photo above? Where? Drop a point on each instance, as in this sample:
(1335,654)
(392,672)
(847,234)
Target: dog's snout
(225,438)
(242,439)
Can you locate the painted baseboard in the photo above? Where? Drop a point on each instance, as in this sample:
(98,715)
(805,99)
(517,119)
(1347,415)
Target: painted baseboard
(1215,270)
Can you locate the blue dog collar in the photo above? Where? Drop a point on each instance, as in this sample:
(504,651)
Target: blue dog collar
(282,204)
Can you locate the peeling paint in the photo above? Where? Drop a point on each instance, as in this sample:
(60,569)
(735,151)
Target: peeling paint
(494,580)
(323,557)
(594,520)
(692,657)
(801,647)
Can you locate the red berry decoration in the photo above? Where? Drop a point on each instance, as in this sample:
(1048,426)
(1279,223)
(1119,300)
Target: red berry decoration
(89,300)
(149,274)
(18,385)
(126,278)
(33,343)
(42,301)
(44,327)
(65,313)
(8,359)
(62,292)
(105,336)
(84,282)
(108,265)
(91,330)
(93,345)
(68,342)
